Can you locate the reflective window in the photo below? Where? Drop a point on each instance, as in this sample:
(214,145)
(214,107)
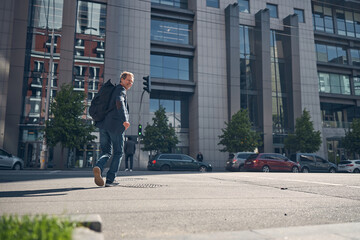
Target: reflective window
(357,85)
(334,83)
(176,111)
(89,49)
(323,19)
(169,67)
(355,57)
(244,6)
(331,54)
(300,14)
(170,31)
(172,3)
(273,10)
(212,3)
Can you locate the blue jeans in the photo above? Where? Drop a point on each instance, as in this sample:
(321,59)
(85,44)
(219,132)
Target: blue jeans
(110,140)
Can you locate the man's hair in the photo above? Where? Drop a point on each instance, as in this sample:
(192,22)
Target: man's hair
(124,75)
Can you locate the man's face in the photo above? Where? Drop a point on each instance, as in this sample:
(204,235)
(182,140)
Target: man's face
(127,82)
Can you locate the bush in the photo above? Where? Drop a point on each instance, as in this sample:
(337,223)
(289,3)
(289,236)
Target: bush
(39,227)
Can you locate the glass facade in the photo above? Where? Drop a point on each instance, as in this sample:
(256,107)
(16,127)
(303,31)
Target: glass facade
(172,3)
(248,91)
(331,54)
(170,67)
(347,22)
(334,83)
(171,31)
(355,57)
(278,83)
(89,50)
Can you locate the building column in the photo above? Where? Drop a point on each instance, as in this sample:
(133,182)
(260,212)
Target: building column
(292,68)
(263,77)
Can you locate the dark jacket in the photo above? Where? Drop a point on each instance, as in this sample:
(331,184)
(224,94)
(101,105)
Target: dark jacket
(130,147)
(119,114)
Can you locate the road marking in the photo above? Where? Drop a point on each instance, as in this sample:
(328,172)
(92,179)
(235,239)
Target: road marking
(321,183)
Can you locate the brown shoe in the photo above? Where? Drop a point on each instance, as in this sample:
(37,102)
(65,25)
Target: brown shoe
(97,177)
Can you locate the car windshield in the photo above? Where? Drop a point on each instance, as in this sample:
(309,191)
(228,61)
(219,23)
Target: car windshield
(253,156)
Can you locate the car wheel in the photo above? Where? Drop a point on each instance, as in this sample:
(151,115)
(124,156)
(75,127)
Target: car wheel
(202,169)
(266,169)
(295,169)
(332,170)
(356,170)
(305,170)
(165,168)
(17,166)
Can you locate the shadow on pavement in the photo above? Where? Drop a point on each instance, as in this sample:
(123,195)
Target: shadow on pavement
(40,193)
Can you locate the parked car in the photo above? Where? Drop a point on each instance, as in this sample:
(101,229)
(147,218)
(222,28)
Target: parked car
(9,161)
(352,166)
(310,162)
(267,162)
(236,161)
(173,161)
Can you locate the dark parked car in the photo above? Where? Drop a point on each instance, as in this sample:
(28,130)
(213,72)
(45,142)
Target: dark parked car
(9,161)
(267,162)
(310,162)
(173,161)
(236,161)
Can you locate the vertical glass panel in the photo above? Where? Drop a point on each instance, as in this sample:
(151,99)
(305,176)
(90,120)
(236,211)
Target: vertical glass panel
(350,26)
(355,56)
(357,24)
(244,6)
(300,14)
(340,17)
(329,24)
(273,10)
(154,105)
(357,86)
(335,83)
(171,67)
(242,40)
(184,69)
(324,82)
(332,54)
(321,52)
(156,69)
(342,57)
(345,85)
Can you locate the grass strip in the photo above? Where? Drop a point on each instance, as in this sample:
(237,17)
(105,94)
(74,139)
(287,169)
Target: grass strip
(38,227)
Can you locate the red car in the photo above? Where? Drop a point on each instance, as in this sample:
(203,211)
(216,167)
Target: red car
(267,162)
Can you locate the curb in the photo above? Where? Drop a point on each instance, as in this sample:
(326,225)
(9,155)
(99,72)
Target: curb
(92,229)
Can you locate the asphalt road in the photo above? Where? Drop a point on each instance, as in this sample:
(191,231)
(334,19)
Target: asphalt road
(186,205)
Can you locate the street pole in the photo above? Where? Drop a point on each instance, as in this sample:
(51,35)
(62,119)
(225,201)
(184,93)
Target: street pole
(138,125)
(44,152)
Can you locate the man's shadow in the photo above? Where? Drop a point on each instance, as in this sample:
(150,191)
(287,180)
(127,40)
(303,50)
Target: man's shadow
(40,193)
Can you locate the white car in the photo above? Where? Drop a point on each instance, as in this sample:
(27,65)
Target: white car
(8,161)
(352,166)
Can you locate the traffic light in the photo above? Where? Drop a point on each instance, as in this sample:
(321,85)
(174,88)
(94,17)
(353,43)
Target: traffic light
(147,84)
(140,130)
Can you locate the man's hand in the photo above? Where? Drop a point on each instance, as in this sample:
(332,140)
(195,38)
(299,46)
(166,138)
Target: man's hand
(126,125)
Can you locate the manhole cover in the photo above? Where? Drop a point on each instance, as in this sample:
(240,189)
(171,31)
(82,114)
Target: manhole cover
(146,185)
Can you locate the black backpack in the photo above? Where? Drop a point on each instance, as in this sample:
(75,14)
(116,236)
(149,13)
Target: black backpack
(100,104)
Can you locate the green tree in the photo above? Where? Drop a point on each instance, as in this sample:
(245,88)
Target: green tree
(305,139)
(238,135)
(352,137)
(66,125)
(160,136)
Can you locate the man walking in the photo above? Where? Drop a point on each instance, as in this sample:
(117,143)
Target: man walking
(129,150)
(112,130)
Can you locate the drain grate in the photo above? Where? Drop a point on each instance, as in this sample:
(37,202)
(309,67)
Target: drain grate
(145,185)
(130,179)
